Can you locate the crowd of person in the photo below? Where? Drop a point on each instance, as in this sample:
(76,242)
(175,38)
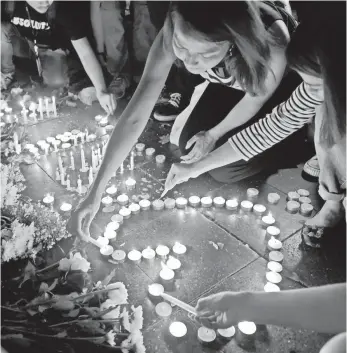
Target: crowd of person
(243,79)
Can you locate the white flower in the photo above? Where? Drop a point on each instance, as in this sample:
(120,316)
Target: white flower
(135,339)
(110,336)
(113,314)
(75,263)
(137,322)
(125,317)
(119,295)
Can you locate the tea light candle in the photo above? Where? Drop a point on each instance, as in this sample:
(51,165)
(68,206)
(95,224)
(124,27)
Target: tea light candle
(276,256)
(117,218)
(134,208)
(109,128)
(273,277)
(130,183)
(65,207)
(65,139)
(179,249)
(206,335)
(148,253)
(140,147)
(125,212)
(306,209)
(303,192)
(194,201)
(274,266)
(103,122)
(273,198)
(273,231)
(56,144)
(145,205)
(206,201)
(293,196)
(112,226)
(112,190)
(268,220)
(106,250)
(123,199)
(170,203)
(75,132)
(293,207)
(158,205)
(102,241)
(247,205)
(48,199)
(98,118)
(219,202)
(162,250)
(66,145)
(181,202)
(155,290)
(119,255)
(259,209)
(232,205)
(247,327)
(110,234)
(271,287)
(107,201)
(90,138)
(150,152)
(160,158)
(163,309)
(173,263)
(252,193)
(134,256)
(226,333)
(178,329)
(274,244)
(304,199)
(167,278)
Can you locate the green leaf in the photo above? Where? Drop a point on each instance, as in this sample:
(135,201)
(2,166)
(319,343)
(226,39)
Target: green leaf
(73,313)
(63,305)
(29,272)
(109,277)
(61,334)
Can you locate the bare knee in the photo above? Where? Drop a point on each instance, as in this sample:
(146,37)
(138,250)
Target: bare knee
(337,344)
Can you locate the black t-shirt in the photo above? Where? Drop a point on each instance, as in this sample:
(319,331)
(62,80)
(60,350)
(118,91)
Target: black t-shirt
(69,22)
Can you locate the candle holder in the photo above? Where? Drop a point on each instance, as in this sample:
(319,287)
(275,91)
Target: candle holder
(112,191)
(273,277)
(178,329)
(259,210)
(148,254)
(145,205)
(271,287)
(150,152)
(117,218)
(170,203)
(245,335)
(194,201)
(110,234)
(135,256)
(179,249)
(173,263)
(140,147)
(272,231)
(293,196)
(274,266)
(167,278)
(125,212)
(252,194)
(219,202)
(154,292)
(274,244)
(276,256)
(102,241)
(123,199)
(181,202)
(268,220)
(303,192)
(293,207)
(112,226)
(134,208)
(206,202)
(48,200)
(232,205)
(162,251)
(227,333)
(306,209)
(246,206)
(158,205)
(273,198)
(109,128)
(106,251)
(163,309)
(119,256)
(130,184)
(206,336)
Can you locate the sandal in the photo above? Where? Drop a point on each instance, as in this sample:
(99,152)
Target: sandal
(312,235)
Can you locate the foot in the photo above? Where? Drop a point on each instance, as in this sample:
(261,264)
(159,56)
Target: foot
(311,167)
(6,80)
(119,85)
(168,111)
(328,217)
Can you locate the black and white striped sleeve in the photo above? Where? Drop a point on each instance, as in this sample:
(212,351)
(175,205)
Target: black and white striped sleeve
(284,120)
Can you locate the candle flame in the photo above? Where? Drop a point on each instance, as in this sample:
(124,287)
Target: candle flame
(164,267)
(270,214)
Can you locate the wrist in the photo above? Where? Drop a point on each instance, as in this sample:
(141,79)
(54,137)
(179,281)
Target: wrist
(214,133)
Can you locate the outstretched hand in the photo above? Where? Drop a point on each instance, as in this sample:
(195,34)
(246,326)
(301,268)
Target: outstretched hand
(180,173)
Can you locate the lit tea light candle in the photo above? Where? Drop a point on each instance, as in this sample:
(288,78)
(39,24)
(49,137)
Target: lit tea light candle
(134,208)
(98,118)
(179,249)
(178,329)
(145,205)
(167,277)
(252,193)
(274,266)
(107,201)
(117,218)
(119,256)
(56,144)
(194,201)
(112,226)
(102,241)
(148,253)
(162,250)
(54,106)
(65,207)
(219,202)
(134,256)
(173,263)
(181,202)
(90,138)
(158,205)
(206,335)
(170,203)
(112,190)
(130,183)
(109,128)
(274,244)
(125,212)
(226,333)
(273,198)
(273,277)
(150,152)
(306,209)
(292,207)
(206,201)
(103,122)
(268,220)
(106,250)
(65,139)
(247,327)
(160,158)
(66,145)
(271,287)
(155,290)
(110,234)
(123,199)
(273,231)
(48,200)
(276,256)
(293,196)
(259,210)
(232,205)
(303,192)
(246,205)
(140,147)
(305,199)
(163,309)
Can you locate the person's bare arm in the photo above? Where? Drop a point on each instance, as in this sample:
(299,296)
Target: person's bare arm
(95,17)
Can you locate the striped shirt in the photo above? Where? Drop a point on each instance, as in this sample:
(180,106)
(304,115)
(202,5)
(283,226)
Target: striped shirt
(284,120)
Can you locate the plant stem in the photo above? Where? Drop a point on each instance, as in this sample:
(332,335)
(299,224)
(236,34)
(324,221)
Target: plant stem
(83,321)
(10,309)
(93,293)
(48,267)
